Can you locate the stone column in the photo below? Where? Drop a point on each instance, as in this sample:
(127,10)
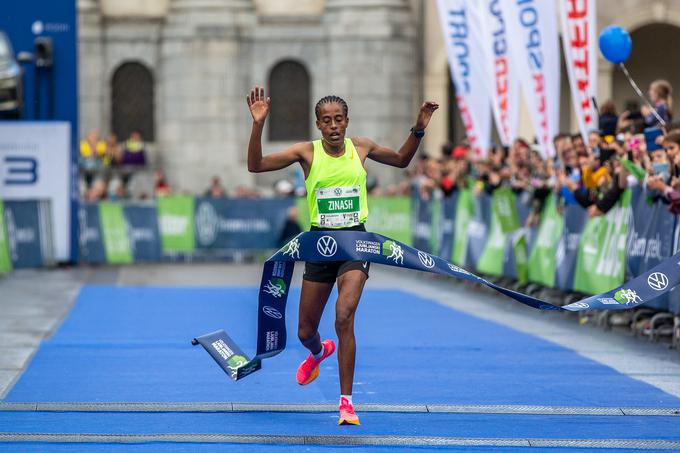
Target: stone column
(202,116)
(90,67)
(371,62)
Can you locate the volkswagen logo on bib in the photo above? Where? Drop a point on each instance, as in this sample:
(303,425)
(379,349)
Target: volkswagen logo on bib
(326,246)
(657,281)
(426,259)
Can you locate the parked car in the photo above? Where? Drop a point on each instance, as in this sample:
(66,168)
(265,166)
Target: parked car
(11,88)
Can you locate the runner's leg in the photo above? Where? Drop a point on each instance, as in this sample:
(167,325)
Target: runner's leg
(350,287)
(313,299)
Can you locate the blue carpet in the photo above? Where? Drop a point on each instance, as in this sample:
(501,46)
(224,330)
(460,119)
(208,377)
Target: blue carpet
(132,344)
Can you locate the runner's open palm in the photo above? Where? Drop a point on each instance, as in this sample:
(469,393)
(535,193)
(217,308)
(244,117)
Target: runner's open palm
(258,104)
(425,113)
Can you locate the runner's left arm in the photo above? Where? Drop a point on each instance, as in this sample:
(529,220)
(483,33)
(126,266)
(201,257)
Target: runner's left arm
(403,157)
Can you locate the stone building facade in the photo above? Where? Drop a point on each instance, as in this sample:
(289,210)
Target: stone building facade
(383,56)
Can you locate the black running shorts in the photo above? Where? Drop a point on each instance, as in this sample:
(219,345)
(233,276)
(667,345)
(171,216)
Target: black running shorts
(329,271)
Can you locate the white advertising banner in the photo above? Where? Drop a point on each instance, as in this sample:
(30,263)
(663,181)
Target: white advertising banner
(35,164)
(502,74)
(468,69)
(534,46)
(579,40)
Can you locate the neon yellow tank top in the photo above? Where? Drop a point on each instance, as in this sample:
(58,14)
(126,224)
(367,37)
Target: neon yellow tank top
(336,188)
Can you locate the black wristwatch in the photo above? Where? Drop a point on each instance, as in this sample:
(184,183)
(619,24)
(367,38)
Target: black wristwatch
(418,133)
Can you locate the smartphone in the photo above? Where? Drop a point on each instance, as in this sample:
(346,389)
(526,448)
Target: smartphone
(651,134)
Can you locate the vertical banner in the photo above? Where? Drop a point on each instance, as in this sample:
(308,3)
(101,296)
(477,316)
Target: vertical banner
(90,243)
(5,260)
(500,68)
(575,219)
(176,223)
(143,234)
(580,53)
(461,25)
(115,233)
(446,226)
(478,229)
(465,210)
(533,44)
(543,258)
(28,226)
(601,261)
(422,215)
(493,256)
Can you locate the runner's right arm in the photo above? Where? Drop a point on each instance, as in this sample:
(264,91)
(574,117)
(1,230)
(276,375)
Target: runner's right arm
(259,109)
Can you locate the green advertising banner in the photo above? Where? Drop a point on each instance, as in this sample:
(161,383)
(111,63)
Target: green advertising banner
(5,259)
(543,259)
(465,209)
(114,233)
(493,256)
(600,264)
(504,203)
(176,223)
(435,234)
(390,216)
(303,213)
(521,261)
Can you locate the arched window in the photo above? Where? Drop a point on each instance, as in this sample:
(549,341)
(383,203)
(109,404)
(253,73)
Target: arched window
(289,89)
(132,101)
(648,61)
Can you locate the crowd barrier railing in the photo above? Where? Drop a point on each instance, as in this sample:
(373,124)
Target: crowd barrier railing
(179,228)
(567,251)
(26,235)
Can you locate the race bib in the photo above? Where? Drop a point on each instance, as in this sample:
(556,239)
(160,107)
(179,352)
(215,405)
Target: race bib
(338,207)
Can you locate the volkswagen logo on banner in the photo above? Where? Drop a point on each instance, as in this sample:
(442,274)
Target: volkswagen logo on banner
(207,221)
(657,281)
(426,259)
(326,246)
(272,312)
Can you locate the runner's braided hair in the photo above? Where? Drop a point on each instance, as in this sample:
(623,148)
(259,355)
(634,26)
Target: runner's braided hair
(329,100)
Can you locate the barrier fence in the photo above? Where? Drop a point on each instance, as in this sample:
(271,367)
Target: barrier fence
(485,233)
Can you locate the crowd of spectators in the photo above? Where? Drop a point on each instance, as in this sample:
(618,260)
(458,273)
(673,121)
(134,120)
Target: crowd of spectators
(637,147)
(630,149)
(106,165)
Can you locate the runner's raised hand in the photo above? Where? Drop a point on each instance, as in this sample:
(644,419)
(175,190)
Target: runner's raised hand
(258,104)
(425,113)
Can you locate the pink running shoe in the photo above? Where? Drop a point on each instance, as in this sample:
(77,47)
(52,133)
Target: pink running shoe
(309,369)
(347,415)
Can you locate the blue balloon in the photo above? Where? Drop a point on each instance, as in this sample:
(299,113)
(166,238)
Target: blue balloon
(615,44)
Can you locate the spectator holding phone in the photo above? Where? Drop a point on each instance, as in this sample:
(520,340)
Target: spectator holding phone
(660,93)
(669,189)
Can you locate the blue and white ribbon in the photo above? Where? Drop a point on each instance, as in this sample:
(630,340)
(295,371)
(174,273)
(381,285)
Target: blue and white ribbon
(379,249)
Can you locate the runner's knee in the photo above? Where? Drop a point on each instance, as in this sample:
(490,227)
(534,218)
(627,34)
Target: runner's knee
(306,332)
(344,318)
